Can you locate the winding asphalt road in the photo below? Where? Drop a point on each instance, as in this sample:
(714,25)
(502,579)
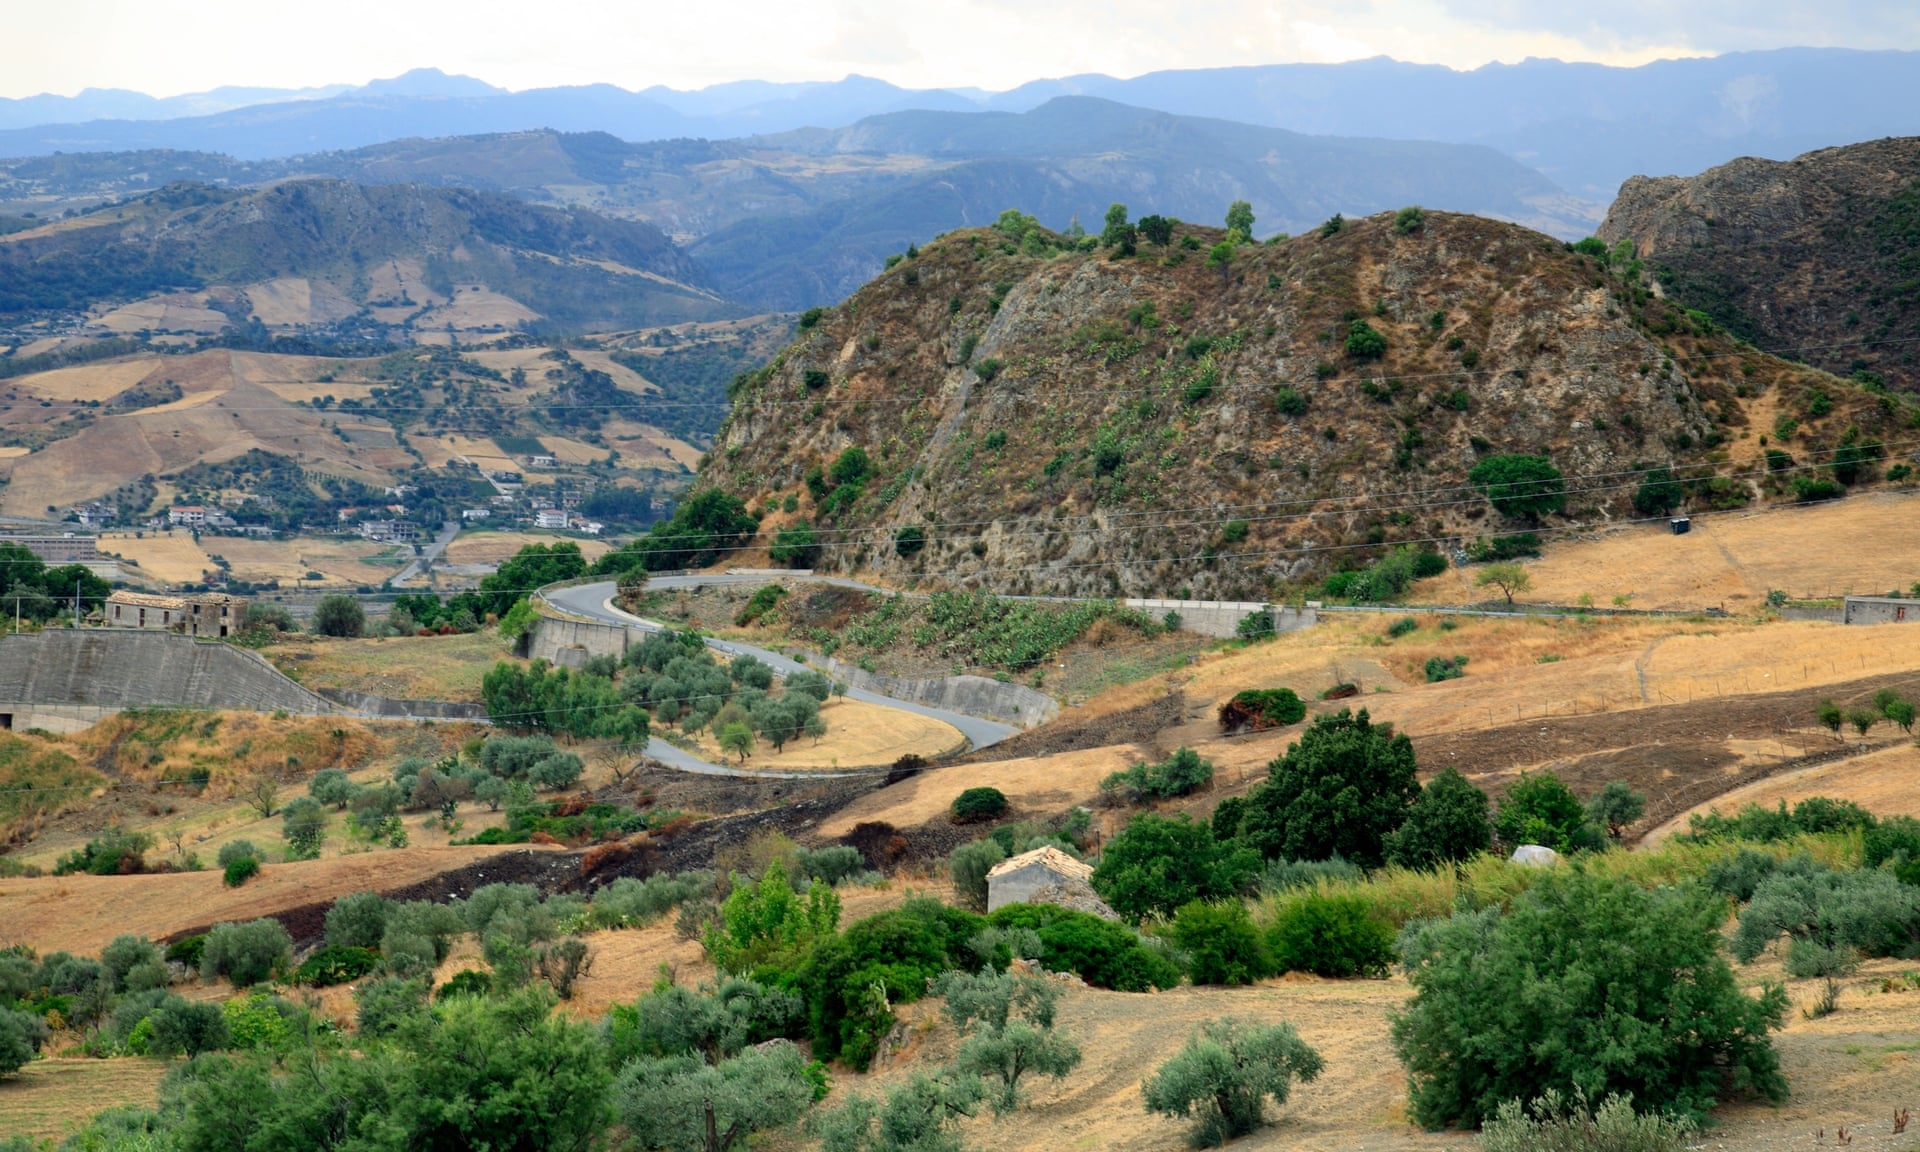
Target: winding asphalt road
(595,602)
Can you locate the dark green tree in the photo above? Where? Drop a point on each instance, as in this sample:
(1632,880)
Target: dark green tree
(1659,493)
(1523,487)
(1364,341)
(1118,234)
(339,614)
(797,546)
(1159,864)
(1447,824)
(1539,809)
(1158,229)
(1338,791)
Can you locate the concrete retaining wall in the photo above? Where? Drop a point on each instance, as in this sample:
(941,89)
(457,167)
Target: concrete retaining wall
(1221,617)
(88,671)
(386,708)
(967,695)
(568,643)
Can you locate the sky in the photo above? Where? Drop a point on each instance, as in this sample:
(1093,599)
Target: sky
(168,47)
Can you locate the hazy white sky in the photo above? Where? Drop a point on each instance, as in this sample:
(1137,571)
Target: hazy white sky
(166,47)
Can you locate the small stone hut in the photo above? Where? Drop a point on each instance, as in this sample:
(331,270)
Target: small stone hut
(1044,876)
(1880,610)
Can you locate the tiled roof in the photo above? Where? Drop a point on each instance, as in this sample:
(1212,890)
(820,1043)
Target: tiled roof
(1053,858)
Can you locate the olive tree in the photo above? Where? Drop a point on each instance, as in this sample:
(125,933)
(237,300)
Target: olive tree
(1224,1076)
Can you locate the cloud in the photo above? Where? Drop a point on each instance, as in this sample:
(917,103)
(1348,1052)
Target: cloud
(171,48)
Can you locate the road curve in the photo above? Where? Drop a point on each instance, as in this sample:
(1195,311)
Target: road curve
(595,602)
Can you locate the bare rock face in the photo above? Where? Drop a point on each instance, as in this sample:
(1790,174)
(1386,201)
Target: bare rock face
(1817,256)
(1060,421)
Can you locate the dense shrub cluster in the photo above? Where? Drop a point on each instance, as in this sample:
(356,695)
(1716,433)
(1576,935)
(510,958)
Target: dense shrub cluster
(1177,775)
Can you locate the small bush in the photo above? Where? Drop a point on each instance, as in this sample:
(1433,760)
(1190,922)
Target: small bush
(240,870)
(1261,709)
(1330,935)
(1221,943)
(236,850)
(330,966)
(466,982)
(977,804)
(1289,402)
(1440,668)
(1554,1123)
(968,867)
(21,1035)
(1104,954)
(187,950)
(1404,626)
(1177,775)
(1255,625)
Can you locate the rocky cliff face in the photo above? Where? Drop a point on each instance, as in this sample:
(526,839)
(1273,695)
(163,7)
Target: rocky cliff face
(1076,423)
(1817,257)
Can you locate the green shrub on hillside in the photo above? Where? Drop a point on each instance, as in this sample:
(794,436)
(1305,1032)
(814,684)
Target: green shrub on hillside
(1556,1123)
(239,870)
(1518,486)
(1221,943)
(246,953)
(330,966)
(1177,775)
(975,804)
(852,980)
(1582,982)
(1832,918)
(1337,935)
(1104,954)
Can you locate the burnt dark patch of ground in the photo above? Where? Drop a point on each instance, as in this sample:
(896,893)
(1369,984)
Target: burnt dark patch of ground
(1677,754)
(1071,732)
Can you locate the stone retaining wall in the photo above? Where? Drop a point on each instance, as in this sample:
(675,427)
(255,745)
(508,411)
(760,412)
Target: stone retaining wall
(385,708)
(968,695)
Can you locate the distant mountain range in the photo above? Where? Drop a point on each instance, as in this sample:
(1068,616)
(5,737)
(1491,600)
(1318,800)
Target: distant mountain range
(1586,126)
(790,220)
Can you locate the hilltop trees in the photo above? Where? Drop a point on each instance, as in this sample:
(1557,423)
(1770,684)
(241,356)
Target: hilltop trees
(1118,234)
(1240,222)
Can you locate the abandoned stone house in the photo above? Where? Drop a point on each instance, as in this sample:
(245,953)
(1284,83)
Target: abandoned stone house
(208,614)
(1880,610)
(1045,876)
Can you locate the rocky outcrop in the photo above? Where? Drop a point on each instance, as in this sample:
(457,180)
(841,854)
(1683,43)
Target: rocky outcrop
(1818,256)
(1071,423)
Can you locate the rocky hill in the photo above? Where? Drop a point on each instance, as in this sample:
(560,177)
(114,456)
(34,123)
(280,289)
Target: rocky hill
(401,250)
(1817,257)
(1081,422)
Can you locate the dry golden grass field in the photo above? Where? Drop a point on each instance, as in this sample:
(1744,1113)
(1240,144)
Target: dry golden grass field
(296,302)
(83,913)
(184,312)
(1885,781)
(489,547)
(52,1097)
(859,735)
(1866,544)
(230,407)
(175,557)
